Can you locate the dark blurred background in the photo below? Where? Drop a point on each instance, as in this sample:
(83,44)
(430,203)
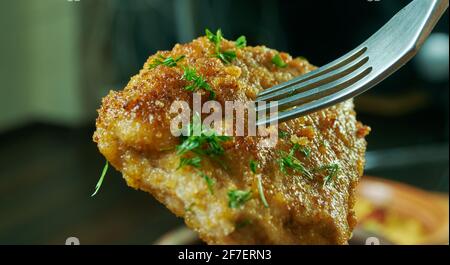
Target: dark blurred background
(60,57)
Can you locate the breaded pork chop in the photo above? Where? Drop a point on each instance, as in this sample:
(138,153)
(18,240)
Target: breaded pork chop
(299,192)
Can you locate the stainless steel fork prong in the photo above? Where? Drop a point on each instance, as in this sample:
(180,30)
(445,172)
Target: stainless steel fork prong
(321,91)
(312,106)
(313,88)
(336,64)
(383,53)
(320,79)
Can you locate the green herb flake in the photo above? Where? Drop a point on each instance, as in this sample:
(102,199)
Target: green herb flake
(193,161)
(306,151)
(224,56)
(241,42)
(278,61)
(209,182)
(100,181)
(261,192)
(288,160)
(212,144)
(169,61)
(237,198)
(197,82)
(214,38)
(284,135)
(253,166)
(207,143)
(189,144)
(331,171)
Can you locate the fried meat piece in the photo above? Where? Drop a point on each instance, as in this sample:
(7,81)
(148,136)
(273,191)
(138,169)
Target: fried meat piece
(313,206)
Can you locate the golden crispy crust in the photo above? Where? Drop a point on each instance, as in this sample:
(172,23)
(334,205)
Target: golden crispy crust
(133,134)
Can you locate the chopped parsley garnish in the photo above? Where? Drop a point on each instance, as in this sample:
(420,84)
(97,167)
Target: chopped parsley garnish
(203,144)
(102,176)
(284,134)
(278,61)
(169,61)
(225,56)
(261,192)
(303,149)
(288,160)
(193,161)
(207,143)
(331,170)
(241,42)
(237,198)
(197,82)
(214,38)
(209,181)
(253,166)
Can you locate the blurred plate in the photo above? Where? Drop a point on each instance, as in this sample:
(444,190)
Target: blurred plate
(400,214)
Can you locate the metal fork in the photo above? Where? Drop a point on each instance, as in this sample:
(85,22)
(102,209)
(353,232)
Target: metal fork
(362,68)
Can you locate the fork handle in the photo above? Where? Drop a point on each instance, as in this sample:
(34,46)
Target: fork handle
(439,7)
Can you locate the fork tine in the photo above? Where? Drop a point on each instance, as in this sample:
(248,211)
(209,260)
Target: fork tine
(336,81)
(315,82)
(331,99)
(340,62)
(388,49)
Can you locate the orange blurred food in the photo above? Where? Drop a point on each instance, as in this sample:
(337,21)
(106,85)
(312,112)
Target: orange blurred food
(402,214)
